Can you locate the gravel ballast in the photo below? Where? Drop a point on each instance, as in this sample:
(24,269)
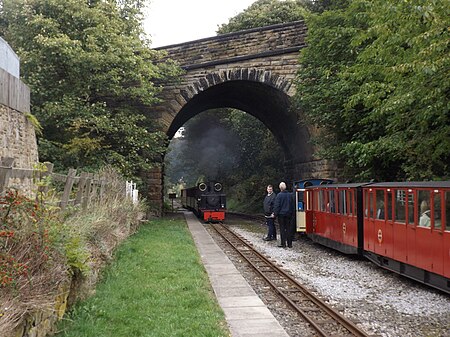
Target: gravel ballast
(379,301)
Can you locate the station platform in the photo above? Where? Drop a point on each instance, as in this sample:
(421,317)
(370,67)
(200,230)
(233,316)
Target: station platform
(245,313)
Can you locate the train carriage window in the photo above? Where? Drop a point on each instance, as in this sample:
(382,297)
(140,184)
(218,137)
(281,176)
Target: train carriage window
(368,207)
(437,210)
(447,211)
(411,208)
(400,206)
(301,201)
(343,202)
(366,203)
(309,200)
(379,194)
(389,205)
(322,200)
(423,208)
(331,202)
(316,200)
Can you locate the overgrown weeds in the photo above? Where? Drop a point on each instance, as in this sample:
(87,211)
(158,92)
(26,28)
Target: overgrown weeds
(42,248)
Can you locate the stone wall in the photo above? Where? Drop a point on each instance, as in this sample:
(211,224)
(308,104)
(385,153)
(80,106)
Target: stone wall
(17,134)
(17,138)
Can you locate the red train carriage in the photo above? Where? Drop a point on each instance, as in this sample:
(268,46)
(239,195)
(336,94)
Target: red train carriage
(407,229)
(404,227)
(333,212)
(207,200)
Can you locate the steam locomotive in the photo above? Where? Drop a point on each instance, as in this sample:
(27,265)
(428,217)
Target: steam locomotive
(206,200)
(400,226)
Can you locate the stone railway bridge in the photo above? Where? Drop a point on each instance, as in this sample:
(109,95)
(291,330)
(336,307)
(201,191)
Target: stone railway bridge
(253,71)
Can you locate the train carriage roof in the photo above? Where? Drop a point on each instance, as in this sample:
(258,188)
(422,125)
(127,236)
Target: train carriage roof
(400,184)
(411,184)
(331,186)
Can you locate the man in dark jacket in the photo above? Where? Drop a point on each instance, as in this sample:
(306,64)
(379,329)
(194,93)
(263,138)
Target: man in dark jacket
(283,210)
(268,204)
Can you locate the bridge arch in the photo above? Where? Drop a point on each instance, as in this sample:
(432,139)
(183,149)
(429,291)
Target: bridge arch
(260,93)
(252,71)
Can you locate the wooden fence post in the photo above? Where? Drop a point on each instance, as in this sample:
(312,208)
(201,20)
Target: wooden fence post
(81,186)
(67,188)
(102,189)
(95,185)
(87,191)
(5,172)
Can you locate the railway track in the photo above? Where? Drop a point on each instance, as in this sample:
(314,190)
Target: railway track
(324,320)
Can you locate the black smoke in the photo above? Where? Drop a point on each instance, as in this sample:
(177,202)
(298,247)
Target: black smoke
(208,150)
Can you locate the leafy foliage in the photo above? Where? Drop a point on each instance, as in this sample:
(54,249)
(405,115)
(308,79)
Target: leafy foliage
(264,13)
(92,75)
(374,79)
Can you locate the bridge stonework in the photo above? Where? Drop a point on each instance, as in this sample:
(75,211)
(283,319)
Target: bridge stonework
(253,71)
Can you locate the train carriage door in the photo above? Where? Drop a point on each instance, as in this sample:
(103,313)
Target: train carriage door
(436,262)
(310,206)
(400,241)
(342,210)
(404,205)
(351,226)
(370,234)
(446,233)
(384,232)
(331,215)
(300,210)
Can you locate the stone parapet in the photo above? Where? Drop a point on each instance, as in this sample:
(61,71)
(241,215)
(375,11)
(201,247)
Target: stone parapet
(237,46)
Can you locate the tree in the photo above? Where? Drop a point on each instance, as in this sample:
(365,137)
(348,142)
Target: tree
(319,6)
(264,13)
(92,76)
(402,79)
(321,92)
(373,79)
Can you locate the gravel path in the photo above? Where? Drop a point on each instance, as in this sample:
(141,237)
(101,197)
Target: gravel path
(379,301)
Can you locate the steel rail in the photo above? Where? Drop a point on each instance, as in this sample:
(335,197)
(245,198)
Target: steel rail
(336,316)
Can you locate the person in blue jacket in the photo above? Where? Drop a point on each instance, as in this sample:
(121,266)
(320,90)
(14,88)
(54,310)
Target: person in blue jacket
(283,210)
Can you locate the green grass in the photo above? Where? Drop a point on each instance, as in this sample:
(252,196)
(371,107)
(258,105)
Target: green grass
(156,286)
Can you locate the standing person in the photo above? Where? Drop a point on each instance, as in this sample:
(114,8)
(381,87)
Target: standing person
(283,210)
(268,204)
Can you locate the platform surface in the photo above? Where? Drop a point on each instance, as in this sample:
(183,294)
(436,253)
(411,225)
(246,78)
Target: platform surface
(246,314)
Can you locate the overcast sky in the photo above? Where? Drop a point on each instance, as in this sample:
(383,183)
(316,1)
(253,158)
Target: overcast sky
(176,21)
